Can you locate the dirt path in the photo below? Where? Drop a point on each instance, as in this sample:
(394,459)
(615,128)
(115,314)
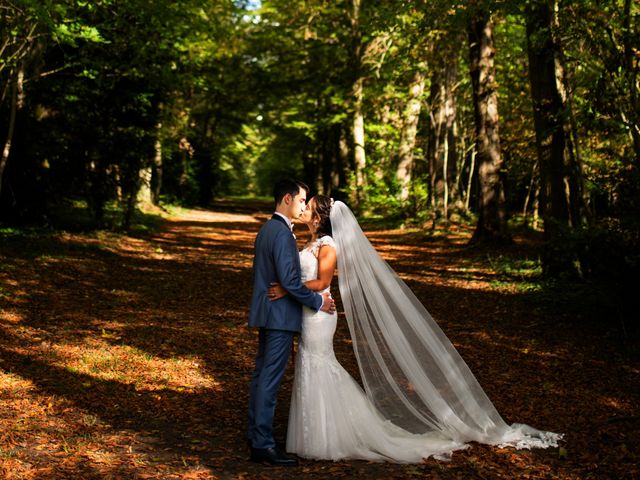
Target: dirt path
(126,357)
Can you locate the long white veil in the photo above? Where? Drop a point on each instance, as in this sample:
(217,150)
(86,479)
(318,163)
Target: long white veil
(409,368)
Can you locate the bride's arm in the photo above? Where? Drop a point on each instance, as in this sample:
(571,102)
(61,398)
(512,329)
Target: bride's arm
(326,268)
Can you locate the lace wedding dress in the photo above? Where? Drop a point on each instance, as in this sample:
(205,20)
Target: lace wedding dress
(331,416)
(420,398)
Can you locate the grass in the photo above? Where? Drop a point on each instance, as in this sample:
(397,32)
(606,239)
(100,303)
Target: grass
(521,274)
(515,268)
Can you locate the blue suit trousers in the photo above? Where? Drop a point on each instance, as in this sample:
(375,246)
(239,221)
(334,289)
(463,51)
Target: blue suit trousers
(274,348)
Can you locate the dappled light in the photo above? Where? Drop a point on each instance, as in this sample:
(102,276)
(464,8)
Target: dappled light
(490,150)
(130,356)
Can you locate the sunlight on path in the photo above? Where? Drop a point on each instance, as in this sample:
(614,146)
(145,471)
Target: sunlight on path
(129,357)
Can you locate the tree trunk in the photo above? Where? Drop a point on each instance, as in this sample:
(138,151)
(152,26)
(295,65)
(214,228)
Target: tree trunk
(129,209)
(492,217)
(631,66)
(575,184)
(186,153)
(360,161)
(408,135)
(442,138)
(530,190)
(97,194)
(547,111)
(340,175)
(157,169)
(144,195)
(17,101)
(205,154)
(445,179)
(358,139)
(472,171)
(536,208)
(558,183)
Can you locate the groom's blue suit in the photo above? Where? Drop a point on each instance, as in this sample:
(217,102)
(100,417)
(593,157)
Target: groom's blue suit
(276,260)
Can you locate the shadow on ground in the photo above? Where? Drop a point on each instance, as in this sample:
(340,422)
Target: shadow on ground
(147,335)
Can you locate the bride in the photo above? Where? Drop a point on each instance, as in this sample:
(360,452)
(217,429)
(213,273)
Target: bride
(419,400)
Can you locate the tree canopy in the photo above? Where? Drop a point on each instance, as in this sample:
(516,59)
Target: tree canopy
(421,111)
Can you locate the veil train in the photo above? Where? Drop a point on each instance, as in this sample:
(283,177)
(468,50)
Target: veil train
(409,368)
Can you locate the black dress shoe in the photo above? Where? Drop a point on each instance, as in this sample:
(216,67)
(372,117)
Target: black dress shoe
(272,456)
(279,445)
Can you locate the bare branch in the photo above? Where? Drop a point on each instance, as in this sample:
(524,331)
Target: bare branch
(50,72)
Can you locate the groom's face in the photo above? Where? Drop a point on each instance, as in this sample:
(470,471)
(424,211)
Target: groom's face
(298,204)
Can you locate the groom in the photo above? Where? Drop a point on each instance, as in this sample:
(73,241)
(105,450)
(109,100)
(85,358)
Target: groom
(276,260)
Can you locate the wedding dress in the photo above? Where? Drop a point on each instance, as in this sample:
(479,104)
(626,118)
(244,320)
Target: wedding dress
(330,416)
(419,400)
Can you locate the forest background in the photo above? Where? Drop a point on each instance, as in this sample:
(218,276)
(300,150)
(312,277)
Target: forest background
(491,150)
(505,114)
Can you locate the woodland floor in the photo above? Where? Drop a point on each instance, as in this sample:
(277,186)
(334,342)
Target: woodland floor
(129,356)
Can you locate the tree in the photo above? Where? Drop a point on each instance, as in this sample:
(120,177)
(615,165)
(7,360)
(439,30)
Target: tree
(492,214)
(558,173)
(442,150)
(360,160)
(408,133)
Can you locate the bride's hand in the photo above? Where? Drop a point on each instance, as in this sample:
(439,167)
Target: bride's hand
(276,292)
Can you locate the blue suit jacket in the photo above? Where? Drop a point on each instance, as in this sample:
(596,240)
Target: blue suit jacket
(276,260)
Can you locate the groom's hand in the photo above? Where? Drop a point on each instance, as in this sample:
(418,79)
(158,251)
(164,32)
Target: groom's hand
(275,291)
(328,305)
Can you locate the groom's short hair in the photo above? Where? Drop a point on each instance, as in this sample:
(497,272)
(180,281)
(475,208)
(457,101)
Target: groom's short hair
(290,186)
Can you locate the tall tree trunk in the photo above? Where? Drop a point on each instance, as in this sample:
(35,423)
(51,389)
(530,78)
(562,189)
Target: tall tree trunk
(320,157)
(631,62)
(530,190)
(492,217)
(557,174)
(442,137)
(547,111)
(17,102)
(157,169)
(358,139)
(186,154)
(408,135)
(360,159)
(536,208)
(445,179)
(575,184)
(144,195)
(206,157)
(472,172)
(148,192)
(343,166)
(97,194)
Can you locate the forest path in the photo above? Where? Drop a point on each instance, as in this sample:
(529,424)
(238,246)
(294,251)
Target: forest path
(129,357)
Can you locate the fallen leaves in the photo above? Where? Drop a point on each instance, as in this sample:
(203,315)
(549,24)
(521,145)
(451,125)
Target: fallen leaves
(127,357)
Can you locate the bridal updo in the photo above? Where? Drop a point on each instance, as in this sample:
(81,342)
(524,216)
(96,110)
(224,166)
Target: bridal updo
(322,210)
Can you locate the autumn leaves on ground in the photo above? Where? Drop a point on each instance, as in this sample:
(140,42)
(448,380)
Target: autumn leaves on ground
(129,357)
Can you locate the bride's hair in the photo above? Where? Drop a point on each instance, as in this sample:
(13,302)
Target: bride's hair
(323,210)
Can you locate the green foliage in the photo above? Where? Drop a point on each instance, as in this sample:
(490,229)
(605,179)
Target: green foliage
(232,95)
(381,200)
(507,268)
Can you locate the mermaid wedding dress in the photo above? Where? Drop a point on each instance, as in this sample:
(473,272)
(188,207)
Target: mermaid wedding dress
(330,415)
(419,399)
